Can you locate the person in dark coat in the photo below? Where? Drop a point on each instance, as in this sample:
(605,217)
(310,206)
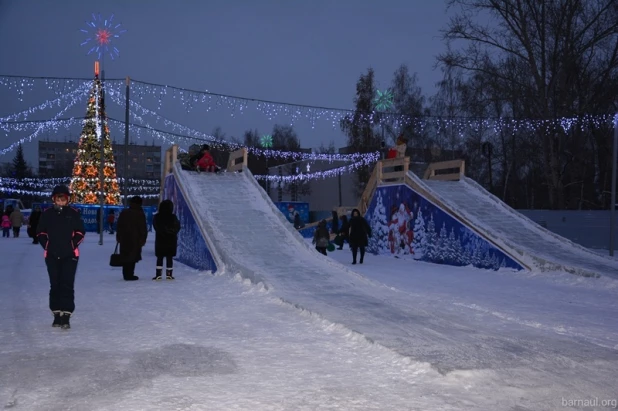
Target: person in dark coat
(335,223)
(343,231)
(60,231)
(167,226)
(131,234)
(321,237)
(33,221)
(358,236)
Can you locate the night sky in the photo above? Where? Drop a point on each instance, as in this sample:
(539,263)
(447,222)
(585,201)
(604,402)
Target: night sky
(281,50)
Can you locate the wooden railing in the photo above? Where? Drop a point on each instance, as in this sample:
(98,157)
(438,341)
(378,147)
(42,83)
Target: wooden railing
(233,164)
(443,170)
(391,171)
(170,157)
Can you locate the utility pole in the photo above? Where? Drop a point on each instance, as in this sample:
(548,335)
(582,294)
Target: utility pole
(101,104)
(612,210)
(125,168)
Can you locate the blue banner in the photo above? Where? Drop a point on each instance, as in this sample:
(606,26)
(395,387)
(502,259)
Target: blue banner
(291,208)
(404,223)
(192,248)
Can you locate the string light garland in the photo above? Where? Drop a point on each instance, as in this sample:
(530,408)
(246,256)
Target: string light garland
(191,98)
(213,101)
(46,104)
(269,153)
(50,124)
(10,190)
(53,181)
(21,85)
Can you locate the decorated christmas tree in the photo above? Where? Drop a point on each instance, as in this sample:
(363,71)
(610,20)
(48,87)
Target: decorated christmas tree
(86,182)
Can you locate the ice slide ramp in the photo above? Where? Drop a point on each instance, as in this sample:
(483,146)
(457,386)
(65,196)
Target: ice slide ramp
(247,234)
(531,244)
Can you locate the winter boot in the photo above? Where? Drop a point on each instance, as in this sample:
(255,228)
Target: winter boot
(64,320)
(168,274)
(158,273)
(57,321)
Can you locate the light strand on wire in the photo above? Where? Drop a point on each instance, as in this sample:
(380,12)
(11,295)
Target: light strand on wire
(270,153)
(189,98)
(46,182)
(33,109)
(50,123)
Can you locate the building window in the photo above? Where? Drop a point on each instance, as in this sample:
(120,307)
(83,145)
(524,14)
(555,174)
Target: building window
(51,156)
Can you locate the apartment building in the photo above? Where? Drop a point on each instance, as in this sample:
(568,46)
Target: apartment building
(56,159)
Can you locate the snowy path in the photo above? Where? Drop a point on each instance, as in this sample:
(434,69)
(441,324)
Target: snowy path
(198,343)
(254,239)
(215,343)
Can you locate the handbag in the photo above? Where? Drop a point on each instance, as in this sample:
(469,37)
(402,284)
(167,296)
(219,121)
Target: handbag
(114,259)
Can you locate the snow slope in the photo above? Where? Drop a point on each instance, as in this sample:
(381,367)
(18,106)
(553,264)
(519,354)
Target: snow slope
(535,246)
(255,241)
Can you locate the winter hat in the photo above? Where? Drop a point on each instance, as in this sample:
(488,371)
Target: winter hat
(137,200)
(61,190)
(166,207)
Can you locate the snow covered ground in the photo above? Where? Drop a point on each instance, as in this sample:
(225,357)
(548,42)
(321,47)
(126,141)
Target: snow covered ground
(206,342)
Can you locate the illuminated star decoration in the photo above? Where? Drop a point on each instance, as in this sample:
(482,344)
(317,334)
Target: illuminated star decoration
(266,141)
(383,100)
(101,33)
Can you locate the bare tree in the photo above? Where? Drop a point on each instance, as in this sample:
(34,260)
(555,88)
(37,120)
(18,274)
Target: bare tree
(550,59)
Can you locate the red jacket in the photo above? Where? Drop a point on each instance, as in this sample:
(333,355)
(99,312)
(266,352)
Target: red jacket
(206,162)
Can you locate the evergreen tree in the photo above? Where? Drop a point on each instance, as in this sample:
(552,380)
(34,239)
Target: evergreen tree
(379,227)
(431,245)
(19,168)
(86,182)
(419,242)
(443,244)
(359,127)
(451,249)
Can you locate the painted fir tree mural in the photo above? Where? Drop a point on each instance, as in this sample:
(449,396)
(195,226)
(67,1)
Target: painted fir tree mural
(419,242)
(86,183)
(379,227)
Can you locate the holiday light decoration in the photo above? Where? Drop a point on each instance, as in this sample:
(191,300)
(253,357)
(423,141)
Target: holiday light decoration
(52,182)
(101,33)
(86,182)
(200,136)
(266,141)
(22,85)
(49,124)
(383,100)
(45,105)
(191,98)
(11,190)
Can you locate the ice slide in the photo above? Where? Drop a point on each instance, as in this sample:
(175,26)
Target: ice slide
(529,243)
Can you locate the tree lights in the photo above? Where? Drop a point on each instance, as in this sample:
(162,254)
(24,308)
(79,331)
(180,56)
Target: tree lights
(86,182)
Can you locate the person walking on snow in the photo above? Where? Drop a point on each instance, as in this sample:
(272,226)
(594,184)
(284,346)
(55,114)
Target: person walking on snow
(6,225)
(17,220)
(359,235)
(131,234)
(60,231)
(33,222)
(167,226)
(321,237)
